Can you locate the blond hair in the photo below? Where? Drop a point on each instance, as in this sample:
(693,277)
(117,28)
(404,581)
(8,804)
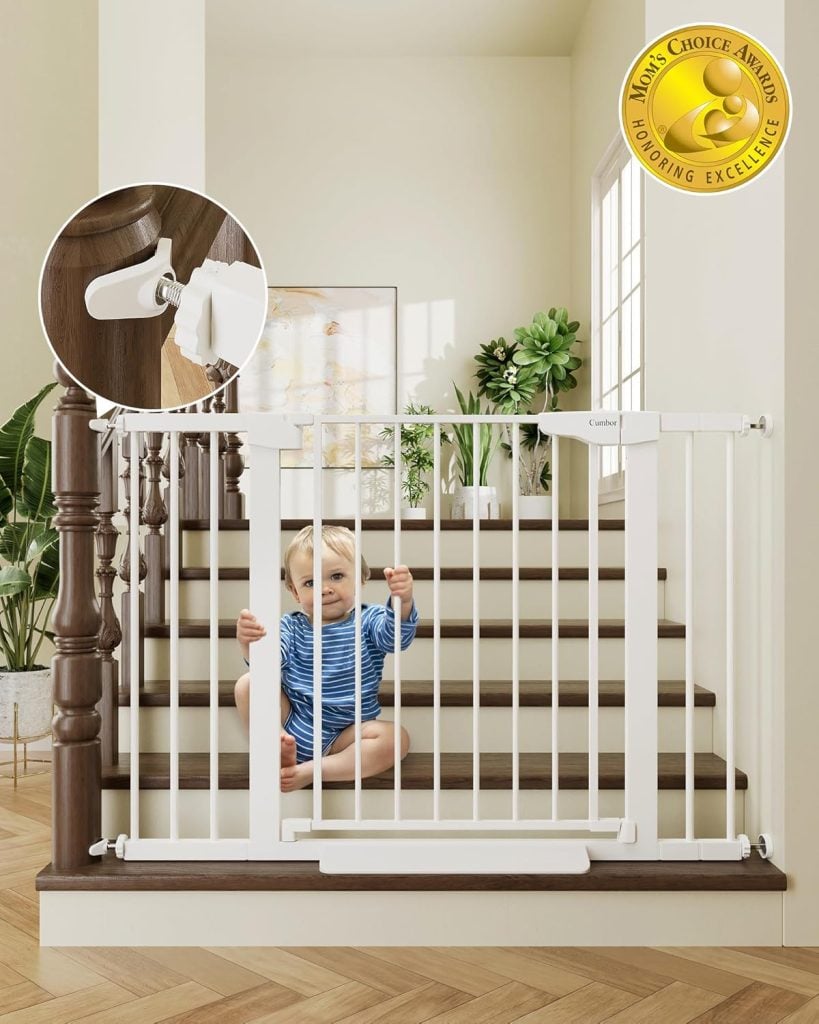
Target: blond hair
(337,538)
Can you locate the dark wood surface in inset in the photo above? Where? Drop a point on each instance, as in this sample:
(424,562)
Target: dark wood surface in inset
(418,693)
(459,573)
(489,629)
(417,772)
(419,524)
(112,875)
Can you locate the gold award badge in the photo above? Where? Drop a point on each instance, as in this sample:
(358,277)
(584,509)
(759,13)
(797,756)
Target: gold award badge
(705,108)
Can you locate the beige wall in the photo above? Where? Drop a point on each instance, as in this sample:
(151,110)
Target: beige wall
(48,57)
(609,38)
(444,176)
(801,491)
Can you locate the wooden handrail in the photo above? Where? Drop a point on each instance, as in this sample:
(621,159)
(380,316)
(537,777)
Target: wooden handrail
(77,665)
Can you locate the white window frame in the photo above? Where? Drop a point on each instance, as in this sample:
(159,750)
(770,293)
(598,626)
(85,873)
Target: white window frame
(611,487)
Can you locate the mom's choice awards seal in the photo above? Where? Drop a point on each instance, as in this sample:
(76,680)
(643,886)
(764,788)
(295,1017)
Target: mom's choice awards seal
(705,108)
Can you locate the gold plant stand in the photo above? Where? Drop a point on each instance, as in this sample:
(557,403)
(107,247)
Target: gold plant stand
(17,740)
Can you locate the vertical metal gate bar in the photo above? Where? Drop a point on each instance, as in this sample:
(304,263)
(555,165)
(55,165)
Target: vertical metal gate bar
(173,526)
(555,623)
(594,641)
(265,561)
(396,608)
(436,622)
(357,570)
(134,449)
(730,766)
(476,623)
(318,587)
(213,536)
(515,619)
(689,637)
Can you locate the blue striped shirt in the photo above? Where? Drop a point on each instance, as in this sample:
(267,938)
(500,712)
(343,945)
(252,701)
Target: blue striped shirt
(338,660)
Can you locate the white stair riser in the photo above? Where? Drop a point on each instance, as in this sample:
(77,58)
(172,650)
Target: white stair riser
(377,547)
(534,597)
(455,658)
(495,729)
(415,804)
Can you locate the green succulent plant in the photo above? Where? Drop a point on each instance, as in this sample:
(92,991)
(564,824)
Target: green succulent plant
(29,545)
(545,345)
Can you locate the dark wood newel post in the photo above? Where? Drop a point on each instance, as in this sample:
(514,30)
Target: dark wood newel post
(77,665)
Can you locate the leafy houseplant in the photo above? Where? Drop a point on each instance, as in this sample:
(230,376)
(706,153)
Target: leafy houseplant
(417,459)
(512,375)
(488,442)
(29,556)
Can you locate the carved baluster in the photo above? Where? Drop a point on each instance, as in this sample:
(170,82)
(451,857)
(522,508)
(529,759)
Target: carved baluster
(203,499)
(110,633)
(76,667)
(189,508)
(234,463)
(125,576)
(154,515)
(217,375)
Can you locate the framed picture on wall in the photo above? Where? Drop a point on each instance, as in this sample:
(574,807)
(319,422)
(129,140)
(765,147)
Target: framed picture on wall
(327,351)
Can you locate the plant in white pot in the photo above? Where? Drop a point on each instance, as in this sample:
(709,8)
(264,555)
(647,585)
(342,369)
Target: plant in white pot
(489,440)
(512,376)
(417,459)
(29,574)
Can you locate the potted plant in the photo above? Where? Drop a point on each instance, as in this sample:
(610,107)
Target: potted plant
(29,575)
(512,375)
(416,459)
(488,443)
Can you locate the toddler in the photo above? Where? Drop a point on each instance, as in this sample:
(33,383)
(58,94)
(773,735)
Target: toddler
(338,661)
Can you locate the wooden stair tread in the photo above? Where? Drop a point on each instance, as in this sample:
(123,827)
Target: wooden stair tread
(417,524)
(489,573)
(417,772)
(454,693)
(453,628)
(111,874)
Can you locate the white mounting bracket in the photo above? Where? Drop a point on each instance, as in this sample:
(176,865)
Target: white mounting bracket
(130,293)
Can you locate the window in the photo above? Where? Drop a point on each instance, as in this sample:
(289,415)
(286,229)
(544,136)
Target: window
(617,297)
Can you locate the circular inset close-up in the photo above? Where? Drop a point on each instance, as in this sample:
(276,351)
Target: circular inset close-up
(152,296)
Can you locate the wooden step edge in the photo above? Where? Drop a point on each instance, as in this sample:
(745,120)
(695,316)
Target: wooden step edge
(426,573)
(490,629)
(458,693)
(417,773)
(408,525)
(113,875)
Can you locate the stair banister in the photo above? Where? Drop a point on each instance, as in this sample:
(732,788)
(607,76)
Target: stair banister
(77,665)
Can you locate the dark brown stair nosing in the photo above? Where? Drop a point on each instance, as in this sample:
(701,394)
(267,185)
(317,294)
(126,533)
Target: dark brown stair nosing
(417,773)
(453,573)
(113,875)
(497,629)
(454,693)
(418,524)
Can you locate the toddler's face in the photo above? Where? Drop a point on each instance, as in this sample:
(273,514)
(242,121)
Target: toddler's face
(337,588)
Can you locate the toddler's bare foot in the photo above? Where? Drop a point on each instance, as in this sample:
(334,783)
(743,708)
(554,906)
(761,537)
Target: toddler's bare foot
(288,749)
(297,776)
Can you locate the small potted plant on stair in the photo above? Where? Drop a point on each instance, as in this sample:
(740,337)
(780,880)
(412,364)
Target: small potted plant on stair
(512,376)
(488,442)
(29,575)
(417,459)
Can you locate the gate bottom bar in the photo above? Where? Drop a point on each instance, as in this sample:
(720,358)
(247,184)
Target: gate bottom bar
(463,825)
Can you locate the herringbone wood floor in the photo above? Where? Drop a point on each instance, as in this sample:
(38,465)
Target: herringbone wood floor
(363,986)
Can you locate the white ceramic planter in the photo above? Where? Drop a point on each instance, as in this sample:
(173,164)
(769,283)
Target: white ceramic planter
(463,501)
(413,513)
(31,691)
(535,506)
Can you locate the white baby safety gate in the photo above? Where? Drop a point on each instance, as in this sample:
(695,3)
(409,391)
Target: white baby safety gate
(550,842)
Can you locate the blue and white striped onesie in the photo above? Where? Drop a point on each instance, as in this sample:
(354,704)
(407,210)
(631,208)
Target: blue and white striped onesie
(338,670)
